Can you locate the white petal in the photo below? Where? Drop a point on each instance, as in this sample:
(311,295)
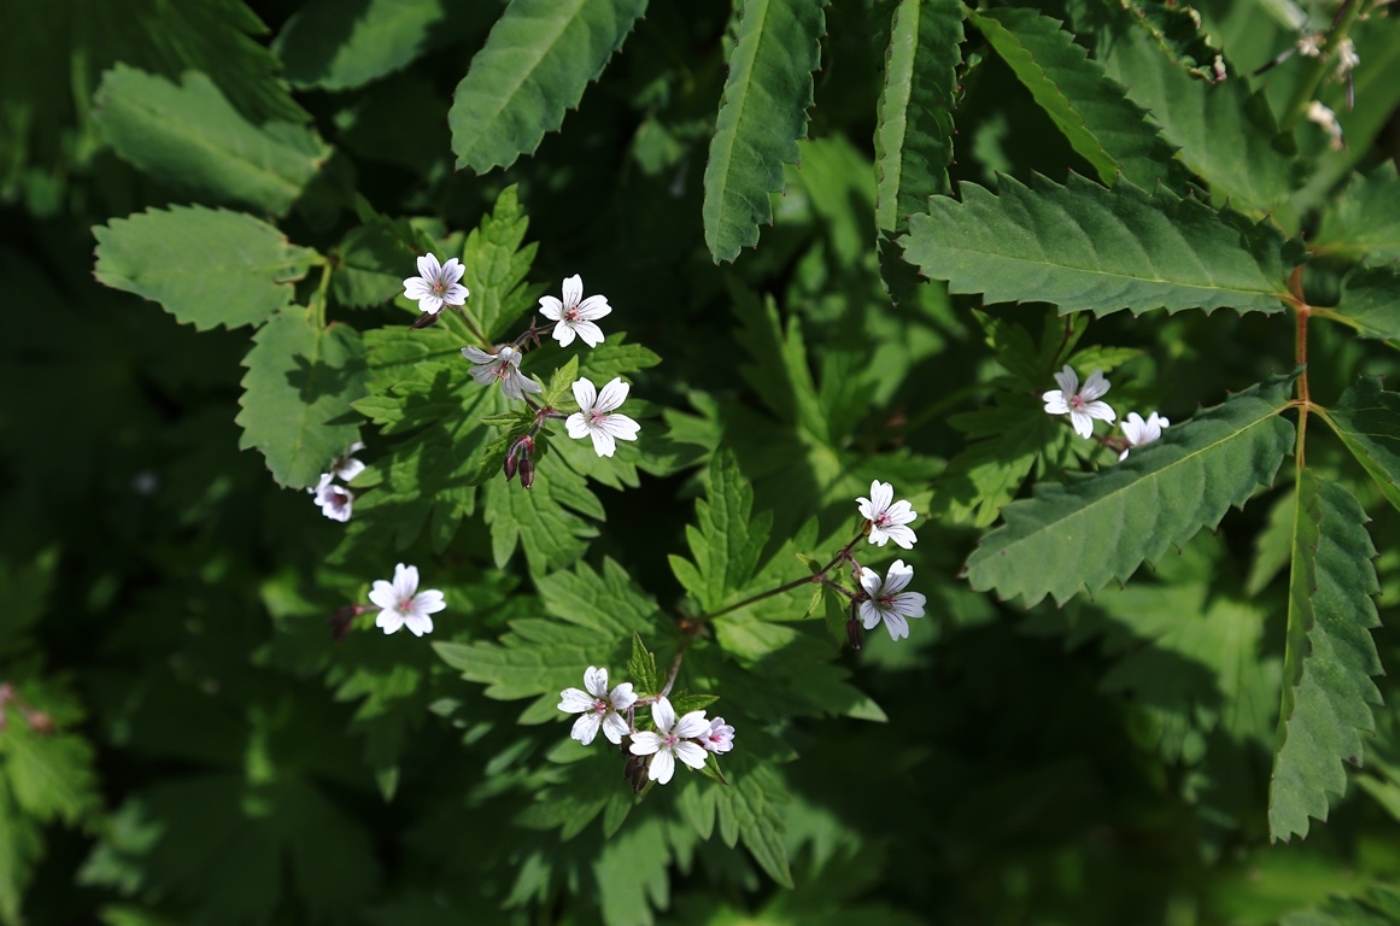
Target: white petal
(866,508)
(596,681)
(1094,386)
(620,427)
(456,294)
(663,766)
(594,307)
(585,728)
(551,308)
(691,725)
(901,512)
(622,697)
(576,426)
(902,536)
(1083,424)
(909,604)
(350,469)
(870,581)
(1134,428)
(575,701)
(691,754)
(585,394)
(645,743)
(898,578)
(1100,410)
(878,535)
(405,581)
(896,625)
(869,614)
(416,288)
(573,289)
(1055,403)
(389,619)
(612,395)
(429,601)
(663,715)
(564,333)
(1068,380)
(428,267)
(589,333)
(615,728)
(418,623)
(477,355)
(881,494)
(381,595)
(430,304)
(603,443)
(452,271)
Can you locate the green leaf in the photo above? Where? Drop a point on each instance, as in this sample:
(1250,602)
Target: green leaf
(609,602)
(642,667)
(545,520)
(914,137)
(1364,222)
(633,876)
(320,49)
(537,657)
(497,265)
(762,115)
(1106,128)
(1097,529)
(204,266)
(751,809)
(727,543)
(1087,248)
(536,62)
(1330,657)
(21,847)
(988,474)
(1175,29)
(189,136)
(371,264)
(1367,419)
(1379,906)
(1370,304)
(296,395)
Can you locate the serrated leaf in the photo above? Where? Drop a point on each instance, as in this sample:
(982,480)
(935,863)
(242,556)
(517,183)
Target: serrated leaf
(1367,419)
(190,136)
(538,656)
(540,56)
(1097,529)
(497,262)
(609,601)
(51,777)
(750,809)
(296,395)
(914,136)
(1364,222)
(371,264)
(728,539)
(762,115)
(1175,29)
(206,267)
(21,846)
(1106,128)
(1330,659)
(560,388)
(545,520)
(1090,249)
(1370,304)
(1379,906)
(614,357)
(632,874)
(642,667)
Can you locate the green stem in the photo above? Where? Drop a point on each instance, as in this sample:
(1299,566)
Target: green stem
(787,586)
(1317,67)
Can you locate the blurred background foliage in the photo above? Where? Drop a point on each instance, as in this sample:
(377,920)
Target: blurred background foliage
(188,745)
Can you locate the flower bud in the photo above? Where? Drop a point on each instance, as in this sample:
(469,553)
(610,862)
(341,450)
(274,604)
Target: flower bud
(341,621)
(527,472)
(636,772)
(855,638)
(426,320)
(510,467)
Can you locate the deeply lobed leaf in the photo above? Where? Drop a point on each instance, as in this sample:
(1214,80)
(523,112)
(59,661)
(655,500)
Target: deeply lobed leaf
(1330,659)
(1086,248)
(728,539)
(232,269)
(1097,529)
(540,56)
(762,115)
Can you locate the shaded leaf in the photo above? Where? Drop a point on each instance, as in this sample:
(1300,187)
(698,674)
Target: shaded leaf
(728,539)
(1370,304)
(1331,657)
(762,114)
(1087,248)
(1364,222)
(538,59)
(204,266)
(497,262)
(188,135)
(1367,419)
(1099,528)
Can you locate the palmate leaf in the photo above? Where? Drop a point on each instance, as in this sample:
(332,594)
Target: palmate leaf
(1364,222)
(497,262)
(540,56)
(204,266)
(1097,529)
(1087,248)
(1107,129)
(1370,304)
(190,136)
(296,395)
(1379,906)
(1327,690)
(1367,419)
(762,115)
(727,543)
(914,137)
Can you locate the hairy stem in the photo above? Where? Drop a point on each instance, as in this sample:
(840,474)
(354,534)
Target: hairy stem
(1317,67)
(1295,286)
(840,557)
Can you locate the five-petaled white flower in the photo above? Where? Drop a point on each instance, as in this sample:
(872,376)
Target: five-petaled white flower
(671,741)
(575,317)
(720,736)
(503,365)
(335,500)
(597,415)
(1079,404)
(1138,432)
(888,601)
(402,604)
(887,521)
(598,707)
(436,285)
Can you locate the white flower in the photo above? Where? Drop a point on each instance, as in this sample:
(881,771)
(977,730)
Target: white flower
(1139,432)
(599,707)
(720,736)
(347,467)
(402,604)
(436,284)
(1327,119)
(596,416)
(575,317)
(503,365)
(1078,403)
(335,500)
(887,521)
(671,741)
(889,601)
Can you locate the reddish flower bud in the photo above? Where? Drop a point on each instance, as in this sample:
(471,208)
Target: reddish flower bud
(527,472)
(341,621)
(855,637)
(510,466)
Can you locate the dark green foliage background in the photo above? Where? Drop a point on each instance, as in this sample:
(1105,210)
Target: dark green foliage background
(1102,763)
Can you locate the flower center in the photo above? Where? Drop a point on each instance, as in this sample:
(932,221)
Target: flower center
(571,314)
(600,707)
(885,602)
(439,287)
(405,605)
(882,519)
(597,418)
(1077,402)
(670,739)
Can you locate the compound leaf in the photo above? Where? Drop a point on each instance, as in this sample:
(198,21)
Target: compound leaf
(296,395)
(540,56)
(497,262)
(190,136)
(762,115)
(729,539)
(206,267)
(1099,528)
(1327,690)
(1087,248)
